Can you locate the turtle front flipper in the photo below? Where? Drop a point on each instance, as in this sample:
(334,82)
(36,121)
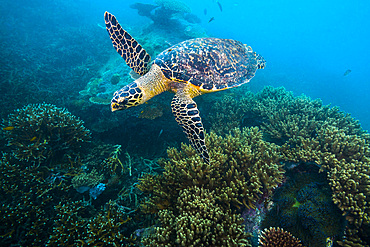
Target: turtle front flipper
(129,49)
(187,116)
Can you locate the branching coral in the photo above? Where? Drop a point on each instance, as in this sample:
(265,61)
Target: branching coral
(87,180)
(277,237)
(199,221)
(243,170)
(38,132)
(310,132)
(102,230)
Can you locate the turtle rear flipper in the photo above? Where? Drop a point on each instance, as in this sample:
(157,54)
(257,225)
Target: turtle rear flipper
(129,49)
(187,116)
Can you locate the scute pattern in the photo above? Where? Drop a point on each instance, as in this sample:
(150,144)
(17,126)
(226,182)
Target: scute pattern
(187,116)
(209,63)
(129,49)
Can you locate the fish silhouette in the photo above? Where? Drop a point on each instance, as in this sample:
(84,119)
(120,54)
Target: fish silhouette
(212,18)
(347,72)
(219,5)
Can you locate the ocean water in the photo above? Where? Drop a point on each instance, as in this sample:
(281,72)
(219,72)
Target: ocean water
(59,52)
(308,45)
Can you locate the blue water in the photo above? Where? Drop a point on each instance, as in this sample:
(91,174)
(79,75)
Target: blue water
(51,49)
(308,45)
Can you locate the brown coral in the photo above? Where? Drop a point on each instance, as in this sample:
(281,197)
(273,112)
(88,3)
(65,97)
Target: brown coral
(41,131)
(277,237)
(243,169)
(311,132)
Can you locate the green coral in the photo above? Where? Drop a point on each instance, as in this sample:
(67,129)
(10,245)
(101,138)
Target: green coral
(243,169)
(39,132)
(303,206)
(307,132)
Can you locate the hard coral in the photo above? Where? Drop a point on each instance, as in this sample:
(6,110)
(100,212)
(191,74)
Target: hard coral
(311,132)
(87,180)
(105,229)
(277,237)
(303,206)
(173,5)
(243,169)
(198,221)
(39,132)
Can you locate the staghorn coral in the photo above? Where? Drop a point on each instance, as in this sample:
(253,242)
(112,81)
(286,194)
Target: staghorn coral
(39,132)
(277,237)
(26,194)
(243,170)
(104,229)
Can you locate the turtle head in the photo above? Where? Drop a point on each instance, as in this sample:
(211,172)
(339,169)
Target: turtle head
(126,97)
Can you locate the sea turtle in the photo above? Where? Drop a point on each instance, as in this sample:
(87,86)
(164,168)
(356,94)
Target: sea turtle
(189,69)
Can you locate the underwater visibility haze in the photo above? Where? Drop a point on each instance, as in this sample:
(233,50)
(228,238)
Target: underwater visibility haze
(279,158)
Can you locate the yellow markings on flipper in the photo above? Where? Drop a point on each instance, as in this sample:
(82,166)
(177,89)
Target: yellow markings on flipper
(187,116)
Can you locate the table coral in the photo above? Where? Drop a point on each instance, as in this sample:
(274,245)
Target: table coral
(243,169)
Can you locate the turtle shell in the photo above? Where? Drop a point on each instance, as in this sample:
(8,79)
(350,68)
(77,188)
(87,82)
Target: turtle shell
(209,63)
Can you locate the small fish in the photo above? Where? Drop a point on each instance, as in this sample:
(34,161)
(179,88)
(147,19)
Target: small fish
(212,18)
(329,241)
(160,133)
(347,72)
(8,128)
(32,139)
(219,5)
(205,11)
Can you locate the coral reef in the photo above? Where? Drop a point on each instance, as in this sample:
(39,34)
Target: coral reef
(39,132)
(152,111)
(174,5)
(277,237)
(104,229)
(41,206)
(86,180)
(303,206)
(309,132)
(243,170)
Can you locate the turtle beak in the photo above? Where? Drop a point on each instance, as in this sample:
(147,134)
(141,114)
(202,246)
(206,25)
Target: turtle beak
(114,106)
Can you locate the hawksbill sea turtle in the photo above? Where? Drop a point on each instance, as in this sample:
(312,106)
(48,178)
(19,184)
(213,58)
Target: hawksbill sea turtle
(189,69)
